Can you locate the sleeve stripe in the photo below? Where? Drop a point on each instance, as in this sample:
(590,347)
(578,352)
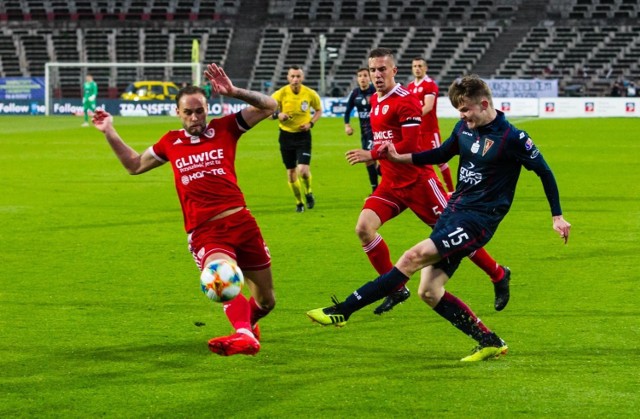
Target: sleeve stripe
(155,156)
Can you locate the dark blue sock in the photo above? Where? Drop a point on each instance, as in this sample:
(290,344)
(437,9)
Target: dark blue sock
(373,175)
(372,291)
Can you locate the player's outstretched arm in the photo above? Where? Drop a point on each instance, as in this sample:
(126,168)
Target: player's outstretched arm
(262,106)
(358,156)
(134,162)
(388,151)
(347,129)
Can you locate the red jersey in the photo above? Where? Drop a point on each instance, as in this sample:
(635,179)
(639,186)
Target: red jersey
(203,169)
(425,87)
(395,118)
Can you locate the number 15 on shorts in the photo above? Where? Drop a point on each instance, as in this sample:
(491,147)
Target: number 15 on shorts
(456,237)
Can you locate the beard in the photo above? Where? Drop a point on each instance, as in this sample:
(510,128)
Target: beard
(196,129)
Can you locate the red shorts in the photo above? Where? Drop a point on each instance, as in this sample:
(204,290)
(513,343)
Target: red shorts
(236,235)
(426,198)
(432,138)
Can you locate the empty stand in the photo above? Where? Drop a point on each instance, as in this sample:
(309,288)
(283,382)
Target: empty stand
(9,56)
(589,55)
(453,35)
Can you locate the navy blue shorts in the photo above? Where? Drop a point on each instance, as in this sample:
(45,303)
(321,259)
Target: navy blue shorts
(457,235)
(367,142)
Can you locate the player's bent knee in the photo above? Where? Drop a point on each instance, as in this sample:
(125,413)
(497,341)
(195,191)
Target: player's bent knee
(266,302)
(365,233)
(430,297)
(411,260)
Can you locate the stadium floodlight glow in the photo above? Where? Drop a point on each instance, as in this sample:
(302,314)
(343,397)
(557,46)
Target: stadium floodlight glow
(196,69)
(323,62)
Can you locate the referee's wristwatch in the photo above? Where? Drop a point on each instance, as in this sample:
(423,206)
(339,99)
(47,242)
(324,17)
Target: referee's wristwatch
(310,124)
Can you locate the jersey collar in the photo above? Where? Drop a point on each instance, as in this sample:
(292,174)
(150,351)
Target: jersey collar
(392,91)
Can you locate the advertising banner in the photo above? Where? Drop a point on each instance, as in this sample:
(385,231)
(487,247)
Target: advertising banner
(523,88)
(21,88)
(589,107)
(547,107)
(512,106)
(334,106)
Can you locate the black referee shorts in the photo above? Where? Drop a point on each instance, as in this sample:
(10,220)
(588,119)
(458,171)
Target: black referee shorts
(295,148)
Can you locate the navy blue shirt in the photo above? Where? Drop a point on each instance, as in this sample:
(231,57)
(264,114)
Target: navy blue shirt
(491,157)
(361,100)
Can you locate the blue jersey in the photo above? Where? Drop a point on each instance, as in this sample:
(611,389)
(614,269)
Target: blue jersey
(490,161)
(361,101)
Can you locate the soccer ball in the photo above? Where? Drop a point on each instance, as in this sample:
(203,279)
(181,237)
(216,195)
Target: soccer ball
(221,280)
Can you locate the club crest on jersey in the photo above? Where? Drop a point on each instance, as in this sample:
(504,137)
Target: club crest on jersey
(304,105)
(385,109)
(475,147)
(487,145)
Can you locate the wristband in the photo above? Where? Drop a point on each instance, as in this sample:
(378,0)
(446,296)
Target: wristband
(311,124)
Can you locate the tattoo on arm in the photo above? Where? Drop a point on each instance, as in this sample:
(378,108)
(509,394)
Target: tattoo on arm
(256,99)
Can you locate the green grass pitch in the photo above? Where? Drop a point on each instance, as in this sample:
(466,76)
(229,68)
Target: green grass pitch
(100,297)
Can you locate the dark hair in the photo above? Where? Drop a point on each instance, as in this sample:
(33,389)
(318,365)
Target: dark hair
(421,59)
(381,52)
(189,90)
(470,87)
(362,69)
(295,67)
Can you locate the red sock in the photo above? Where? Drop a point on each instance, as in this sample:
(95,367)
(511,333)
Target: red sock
(257,312)
(378,253)
(488,264)
(446,176)
(238,312)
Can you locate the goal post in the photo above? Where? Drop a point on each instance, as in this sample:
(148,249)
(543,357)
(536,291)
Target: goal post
(196,69)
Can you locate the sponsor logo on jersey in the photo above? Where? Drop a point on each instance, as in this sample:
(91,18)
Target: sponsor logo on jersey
(383,135)
(468,175)
(467,133)
(204,159)
(187,179)
(528,145)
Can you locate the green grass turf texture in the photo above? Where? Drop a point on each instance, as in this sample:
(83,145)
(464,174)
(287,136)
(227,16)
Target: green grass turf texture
(100,297)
